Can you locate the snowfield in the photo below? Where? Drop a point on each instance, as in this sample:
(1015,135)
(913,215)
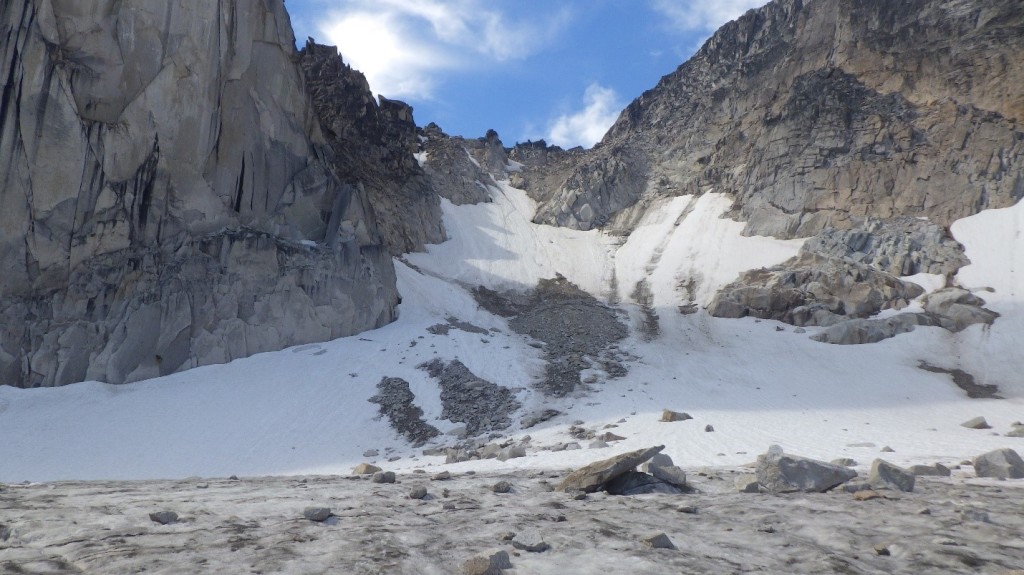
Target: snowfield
(305,410)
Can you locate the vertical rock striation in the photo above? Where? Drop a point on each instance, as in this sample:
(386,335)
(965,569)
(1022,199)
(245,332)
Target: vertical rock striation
(168,196)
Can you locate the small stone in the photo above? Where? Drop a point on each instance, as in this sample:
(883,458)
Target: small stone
(443,476)
(708,428)
(844,461)
(164,517)
(506,535)
(609,436)
(659,541)
(383,477)
(888,449)
(234,478)
(418,492)
(365,469)
(501,487)
(882,549)
(579,496)
(572,446)
(924,511)
(976,423)
(531,541)
(688,509)
(669,416)
(371,453)
(318,514)
(866,495)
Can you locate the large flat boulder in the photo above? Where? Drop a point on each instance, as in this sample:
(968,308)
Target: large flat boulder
(593,477)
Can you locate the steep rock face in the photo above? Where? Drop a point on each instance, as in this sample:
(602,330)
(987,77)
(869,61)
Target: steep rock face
(821,114)
(374,148)
(169,199)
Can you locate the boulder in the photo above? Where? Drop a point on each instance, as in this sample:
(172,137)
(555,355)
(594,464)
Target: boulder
(383,477)
(637,483)
(934,470)
(886,475)
(531,541)
(658,541)
(1002,464)
(365,469)
(976,423)
(318,514)
(781,473)
(669,416)
(164,517)
(594,476)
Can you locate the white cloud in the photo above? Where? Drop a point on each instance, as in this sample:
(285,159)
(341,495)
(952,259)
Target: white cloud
(586,127)
(703,15)
(403,45)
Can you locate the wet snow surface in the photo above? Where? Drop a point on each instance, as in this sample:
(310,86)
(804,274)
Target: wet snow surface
(306,411)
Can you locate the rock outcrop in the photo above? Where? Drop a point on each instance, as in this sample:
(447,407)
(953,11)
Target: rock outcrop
(169,197)
(867,126)
(818,115)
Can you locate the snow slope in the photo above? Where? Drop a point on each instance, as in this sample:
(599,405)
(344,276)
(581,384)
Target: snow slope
(305,409)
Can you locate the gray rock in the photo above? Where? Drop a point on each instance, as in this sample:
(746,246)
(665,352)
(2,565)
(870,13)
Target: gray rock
(512,452)
(658,541)
(398,404)
(670,474)
(365,469)
(371,453)
(487,564)
(976,423)
(443,476)
(318,514)
(934,470)
(708,428)
(383,477)
(481,405)
(530,540)
(418,492)
(748,483)
(154,225)
(1002,463)
(594,476)
(164,517)
(502,487)
(669,416)
(886,475)
(778,472)
(637,483)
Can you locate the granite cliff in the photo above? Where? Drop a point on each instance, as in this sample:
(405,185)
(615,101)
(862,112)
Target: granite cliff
(174,193)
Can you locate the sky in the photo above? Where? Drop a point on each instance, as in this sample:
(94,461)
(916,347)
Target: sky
(529,69)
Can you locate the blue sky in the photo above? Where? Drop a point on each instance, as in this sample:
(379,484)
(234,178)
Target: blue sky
(530,69)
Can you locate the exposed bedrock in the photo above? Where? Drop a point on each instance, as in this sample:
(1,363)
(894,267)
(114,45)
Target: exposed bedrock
(817,115)
(168,196)
(813,289)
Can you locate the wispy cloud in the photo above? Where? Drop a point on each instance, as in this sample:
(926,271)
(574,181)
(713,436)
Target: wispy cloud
(703,15)
(587,126)
(403,46)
